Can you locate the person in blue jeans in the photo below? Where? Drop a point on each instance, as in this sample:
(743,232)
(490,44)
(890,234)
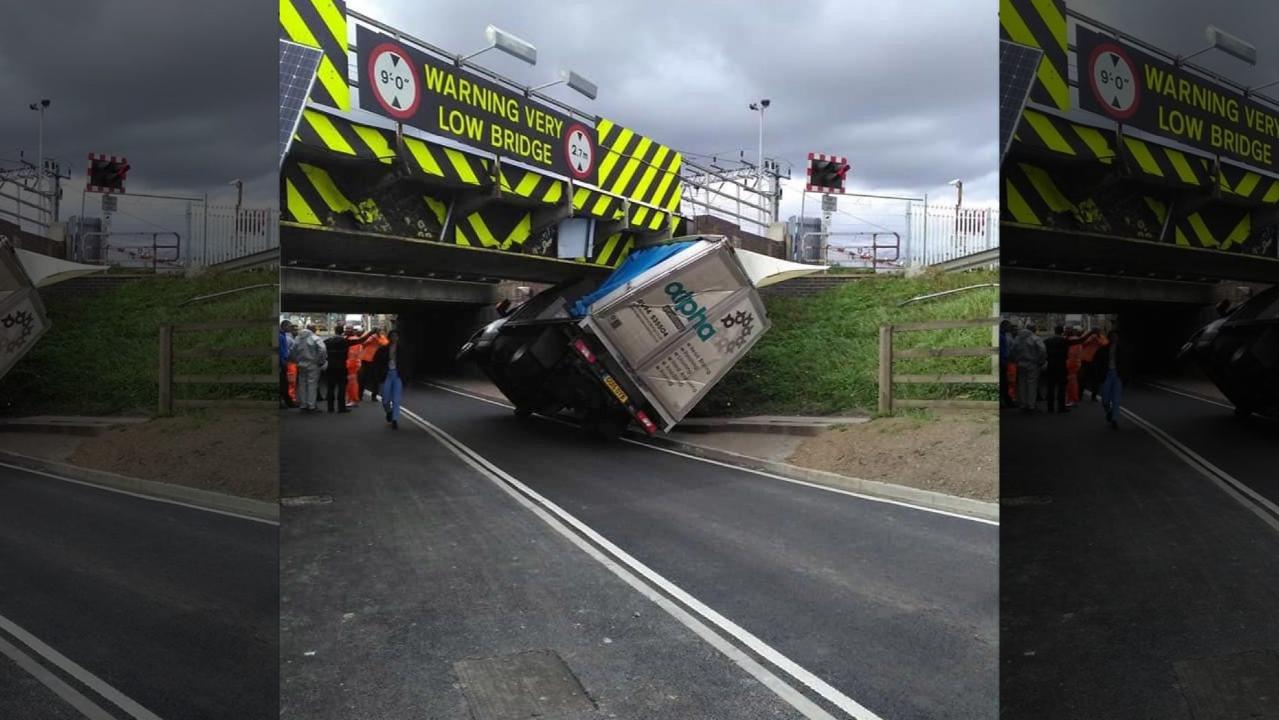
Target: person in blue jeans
(386,365)
(1112,390)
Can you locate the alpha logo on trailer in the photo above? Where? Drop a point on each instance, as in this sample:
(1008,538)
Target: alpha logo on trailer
(107,173)
(826,173)
(686,304)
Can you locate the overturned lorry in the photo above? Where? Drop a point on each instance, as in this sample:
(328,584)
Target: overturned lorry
(1240,353)
(643,346)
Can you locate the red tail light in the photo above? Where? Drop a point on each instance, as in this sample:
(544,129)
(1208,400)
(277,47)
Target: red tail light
(580,346)
(649,426)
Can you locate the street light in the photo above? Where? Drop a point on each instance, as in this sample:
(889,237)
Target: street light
(759,107)
(959,189)
(40,106)
(507,43)
(1227,43)
(575,81)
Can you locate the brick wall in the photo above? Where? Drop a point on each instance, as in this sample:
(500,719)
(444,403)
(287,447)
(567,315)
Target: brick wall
(711,225)
(808,285)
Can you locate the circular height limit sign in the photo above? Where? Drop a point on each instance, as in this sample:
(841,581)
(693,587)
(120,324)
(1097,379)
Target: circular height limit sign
(1114,80)
(579,150)
(394,81)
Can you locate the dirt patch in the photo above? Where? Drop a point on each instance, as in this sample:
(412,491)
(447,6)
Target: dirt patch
(236,452)
(954,453)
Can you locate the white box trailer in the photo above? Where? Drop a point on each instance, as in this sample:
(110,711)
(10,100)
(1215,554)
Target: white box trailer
(647,344)
(681,325)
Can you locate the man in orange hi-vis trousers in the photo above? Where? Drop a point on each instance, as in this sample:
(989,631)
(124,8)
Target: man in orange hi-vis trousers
(291,371)
(1074,360)
(367,353)
(353,370)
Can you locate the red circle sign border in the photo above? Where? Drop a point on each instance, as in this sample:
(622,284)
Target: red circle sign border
(417,96)
(1092,85)
(569,158)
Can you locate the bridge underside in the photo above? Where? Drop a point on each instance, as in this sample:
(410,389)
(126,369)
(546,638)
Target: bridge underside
(319,290)
(368,252)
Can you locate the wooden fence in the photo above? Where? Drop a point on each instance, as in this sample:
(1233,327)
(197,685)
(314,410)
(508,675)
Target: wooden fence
(887,355)
(169,377)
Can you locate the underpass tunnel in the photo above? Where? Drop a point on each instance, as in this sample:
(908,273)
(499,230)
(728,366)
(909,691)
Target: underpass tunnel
(1155,319)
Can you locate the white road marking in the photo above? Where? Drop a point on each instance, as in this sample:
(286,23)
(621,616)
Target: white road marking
(1174,391)
(762,473)
(93,682)
(562,521)
(152,498)
(74,697)
(1232,486)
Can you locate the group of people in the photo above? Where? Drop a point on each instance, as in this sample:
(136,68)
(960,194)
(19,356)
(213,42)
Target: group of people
(350,363)
(1063,365)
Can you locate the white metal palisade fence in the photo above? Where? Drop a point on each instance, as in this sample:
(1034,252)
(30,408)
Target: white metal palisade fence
(938,233)
(230,233)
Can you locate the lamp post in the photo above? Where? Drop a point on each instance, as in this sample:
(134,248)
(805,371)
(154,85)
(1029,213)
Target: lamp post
(40,106)
(759,107)
(959,201)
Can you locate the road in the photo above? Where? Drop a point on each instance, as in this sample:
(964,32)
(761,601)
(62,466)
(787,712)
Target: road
(133,606)
(1132,584)
(420,559)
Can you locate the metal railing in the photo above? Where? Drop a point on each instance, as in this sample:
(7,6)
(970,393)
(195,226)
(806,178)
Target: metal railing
(939,233)
(888,355)
(226,233)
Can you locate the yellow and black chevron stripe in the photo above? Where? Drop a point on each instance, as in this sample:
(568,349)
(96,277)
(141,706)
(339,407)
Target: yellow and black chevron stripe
(645,218)
(532,186)
(1056,134)
(1248,185)
(335,134)
(502,228)
(596,204)
(612,250)
(1226,231)
(1041,24)
(313,197)
(1167,164)
(1031,196)
(637,168)
(321,24)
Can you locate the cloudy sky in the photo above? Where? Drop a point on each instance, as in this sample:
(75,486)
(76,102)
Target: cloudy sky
(1177,26)
(186,90)
(905,90)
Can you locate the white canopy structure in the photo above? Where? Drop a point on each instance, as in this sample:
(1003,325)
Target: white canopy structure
(764,270)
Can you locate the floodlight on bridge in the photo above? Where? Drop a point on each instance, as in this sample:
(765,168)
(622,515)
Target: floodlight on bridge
(507,43)
(574,81)
(1229,44)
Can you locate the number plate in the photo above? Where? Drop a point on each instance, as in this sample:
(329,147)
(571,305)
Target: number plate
(616,389)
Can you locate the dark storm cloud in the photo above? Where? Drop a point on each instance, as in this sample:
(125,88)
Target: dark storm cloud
(187,90)
(906,90)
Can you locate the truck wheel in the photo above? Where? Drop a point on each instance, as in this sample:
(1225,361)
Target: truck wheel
(523,412)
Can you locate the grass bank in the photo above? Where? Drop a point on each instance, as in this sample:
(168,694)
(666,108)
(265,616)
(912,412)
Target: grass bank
(101,354)
(822,354)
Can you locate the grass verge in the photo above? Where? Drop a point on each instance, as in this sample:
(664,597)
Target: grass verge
(101,354)
(822,354)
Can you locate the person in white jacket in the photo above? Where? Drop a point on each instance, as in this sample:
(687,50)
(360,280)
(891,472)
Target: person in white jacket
(309,353)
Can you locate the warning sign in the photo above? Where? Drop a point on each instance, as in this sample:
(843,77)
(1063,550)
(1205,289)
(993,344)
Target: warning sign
(394,81)
(1114,80)
(438,97)
(1132,86)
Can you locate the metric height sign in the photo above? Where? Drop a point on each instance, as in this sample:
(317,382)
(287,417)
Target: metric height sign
(580,149)
(1114,80)
(394,81)
(438,96)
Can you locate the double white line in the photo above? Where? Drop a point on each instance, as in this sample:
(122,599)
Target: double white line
(663,592)
(1244,495)
(60,687)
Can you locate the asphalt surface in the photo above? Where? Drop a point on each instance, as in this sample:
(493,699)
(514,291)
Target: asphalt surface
(893,606)
(174,607)
(1124,571)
